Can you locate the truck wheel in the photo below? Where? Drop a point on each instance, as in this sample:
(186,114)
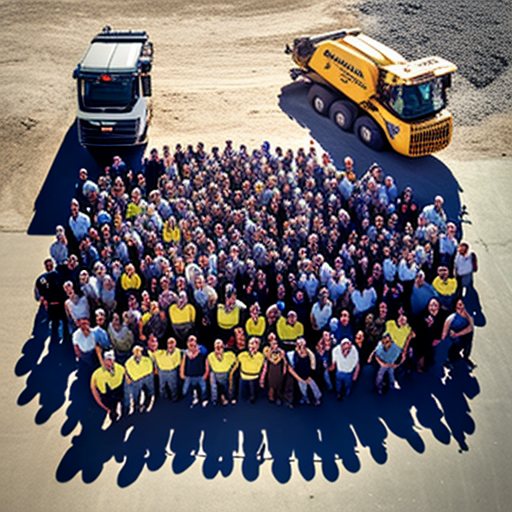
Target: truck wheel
(343,113)
(321,99)
(369,133)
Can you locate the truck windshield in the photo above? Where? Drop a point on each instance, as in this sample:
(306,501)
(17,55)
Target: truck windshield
(416,101)
(109,91)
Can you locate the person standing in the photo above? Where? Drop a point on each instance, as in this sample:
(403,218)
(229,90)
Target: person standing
(183,317)
(458,327)
(251,363)
(346,358)
(463,268)
(222,362)
(167,365)
(194,370)
(84,344)
(274,370)
(48,290)
(289,329)
(139,378)
(107,387)
(386,353)
(302,367)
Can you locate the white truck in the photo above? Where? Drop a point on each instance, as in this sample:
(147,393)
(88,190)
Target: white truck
(114,89)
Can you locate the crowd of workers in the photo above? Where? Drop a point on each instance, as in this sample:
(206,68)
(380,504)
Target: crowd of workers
(221,274)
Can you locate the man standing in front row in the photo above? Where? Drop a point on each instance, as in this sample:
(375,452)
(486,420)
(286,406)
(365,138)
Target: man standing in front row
(302,367)
(107,387)
(167,365)
(221,362)
(346,358)
(139,376)
(251,363)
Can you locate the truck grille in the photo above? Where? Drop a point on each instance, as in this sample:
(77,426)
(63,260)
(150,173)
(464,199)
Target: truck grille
(427,139)
(120,133)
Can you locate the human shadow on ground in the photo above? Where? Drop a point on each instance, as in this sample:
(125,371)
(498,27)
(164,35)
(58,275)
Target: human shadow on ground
(325,440)
(474,307)
(428,176)
(51,207)
(48,363)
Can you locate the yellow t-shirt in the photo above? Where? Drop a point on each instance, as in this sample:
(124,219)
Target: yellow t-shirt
(165,361)
(287,332)
(255,329)
(171,234)
(250,366)
(104,380)
(227,320)
(187,315)
(133,210)
(224,365)
(399,335)
(137,371)
(446,289)
(130,283)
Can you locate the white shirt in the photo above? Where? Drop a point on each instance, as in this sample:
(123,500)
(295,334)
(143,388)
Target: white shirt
(406,273)
(84,343)
(345,364)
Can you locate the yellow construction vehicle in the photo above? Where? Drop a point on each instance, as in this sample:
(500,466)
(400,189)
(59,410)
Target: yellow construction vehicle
(363,85)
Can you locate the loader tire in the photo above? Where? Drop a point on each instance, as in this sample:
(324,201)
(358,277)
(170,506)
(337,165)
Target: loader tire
(343,113)
(369,133)
(321,99)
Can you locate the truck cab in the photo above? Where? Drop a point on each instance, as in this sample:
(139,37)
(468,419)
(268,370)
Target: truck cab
(114,89)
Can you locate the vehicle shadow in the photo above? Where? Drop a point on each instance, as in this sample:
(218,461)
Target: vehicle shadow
(326,440)
(428,176)
(51,206)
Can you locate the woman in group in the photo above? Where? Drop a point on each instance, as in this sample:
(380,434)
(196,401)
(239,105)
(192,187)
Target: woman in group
(430,329)
(274,370)
(459,328)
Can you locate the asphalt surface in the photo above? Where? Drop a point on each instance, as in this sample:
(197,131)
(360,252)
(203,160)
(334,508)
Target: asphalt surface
(433,445)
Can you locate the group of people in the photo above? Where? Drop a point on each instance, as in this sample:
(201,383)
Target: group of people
(220,273)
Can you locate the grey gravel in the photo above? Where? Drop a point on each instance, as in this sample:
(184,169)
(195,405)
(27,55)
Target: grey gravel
(475,35)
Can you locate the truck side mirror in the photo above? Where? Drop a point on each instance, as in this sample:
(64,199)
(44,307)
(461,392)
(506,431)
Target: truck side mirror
(146,85)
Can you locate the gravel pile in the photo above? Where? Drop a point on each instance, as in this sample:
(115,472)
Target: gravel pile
(475,35)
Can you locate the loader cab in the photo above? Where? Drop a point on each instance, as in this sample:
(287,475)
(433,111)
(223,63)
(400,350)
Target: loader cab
(416,90)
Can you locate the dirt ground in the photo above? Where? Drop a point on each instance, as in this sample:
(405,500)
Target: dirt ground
(219,69)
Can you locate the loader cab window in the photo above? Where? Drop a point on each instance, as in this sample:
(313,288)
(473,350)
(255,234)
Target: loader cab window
(410,102)
(109,92)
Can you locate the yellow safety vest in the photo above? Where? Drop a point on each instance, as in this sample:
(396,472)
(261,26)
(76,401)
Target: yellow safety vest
(165,361)
(137,371)
(227,320)
(104,380)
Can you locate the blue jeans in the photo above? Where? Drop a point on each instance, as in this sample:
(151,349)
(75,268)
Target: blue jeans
(195,382)
(344,380)
(220,380)
(132,390)
(327,380)
(169,379)
(248,387)
(380,376)
(303,386)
